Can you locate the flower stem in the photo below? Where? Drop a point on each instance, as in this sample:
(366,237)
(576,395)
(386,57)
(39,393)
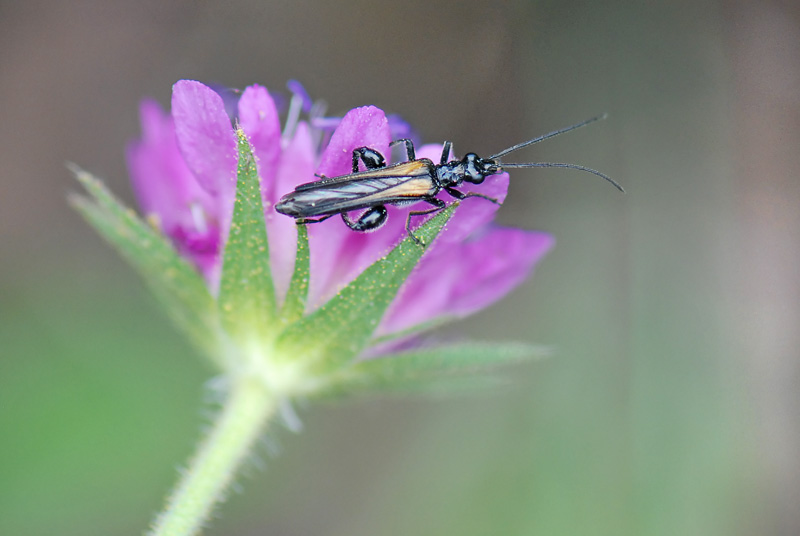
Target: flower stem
(245,413)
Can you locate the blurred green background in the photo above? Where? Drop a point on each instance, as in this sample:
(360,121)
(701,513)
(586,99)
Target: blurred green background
(671,404)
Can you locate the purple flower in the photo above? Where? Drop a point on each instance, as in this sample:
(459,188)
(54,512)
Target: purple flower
(184,174)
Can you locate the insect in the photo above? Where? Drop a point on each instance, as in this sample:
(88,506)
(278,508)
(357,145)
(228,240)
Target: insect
(403,183)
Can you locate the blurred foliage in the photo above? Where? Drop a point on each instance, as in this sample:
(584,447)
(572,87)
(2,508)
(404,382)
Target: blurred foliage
(96,406)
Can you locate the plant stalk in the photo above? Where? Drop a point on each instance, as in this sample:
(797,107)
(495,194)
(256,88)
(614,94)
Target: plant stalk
(245,413)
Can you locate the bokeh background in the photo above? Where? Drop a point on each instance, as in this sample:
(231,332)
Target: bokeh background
(671,404)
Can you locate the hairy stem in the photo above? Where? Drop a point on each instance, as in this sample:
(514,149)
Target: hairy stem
(203,485)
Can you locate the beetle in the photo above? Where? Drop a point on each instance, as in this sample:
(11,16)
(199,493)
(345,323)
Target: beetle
(403,183)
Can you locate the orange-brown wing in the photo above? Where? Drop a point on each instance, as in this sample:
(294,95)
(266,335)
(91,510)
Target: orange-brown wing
(401,183)
(415,168)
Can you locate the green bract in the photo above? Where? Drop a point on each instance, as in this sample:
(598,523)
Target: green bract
(176,284)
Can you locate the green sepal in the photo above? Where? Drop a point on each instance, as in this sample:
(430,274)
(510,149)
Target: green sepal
(462,364)
(247,294)
(338,332)
(414,330)
(176,284)
(295,303)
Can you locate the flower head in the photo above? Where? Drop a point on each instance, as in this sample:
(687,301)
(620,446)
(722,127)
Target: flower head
(288,312)
(184,174)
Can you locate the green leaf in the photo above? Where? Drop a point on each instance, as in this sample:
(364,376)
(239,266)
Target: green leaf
(246,294)
(427,367)
(295,303)
(176,284)
(337,332)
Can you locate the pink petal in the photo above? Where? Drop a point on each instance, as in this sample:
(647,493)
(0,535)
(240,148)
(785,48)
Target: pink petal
(167,189)
(338,254)
(459,279)
(360,127)
(431,151)
(259,119)
(208,144)
(296,167)
(162,182)
(205,136)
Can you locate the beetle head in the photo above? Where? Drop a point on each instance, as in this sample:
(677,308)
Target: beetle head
(476,169)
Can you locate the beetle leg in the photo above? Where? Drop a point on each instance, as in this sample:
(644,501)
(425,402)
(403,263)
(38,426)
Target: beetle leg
(303,221)
(409,148)
(369,220)
(461,195)
(438,205)
(446,152)
(372,159)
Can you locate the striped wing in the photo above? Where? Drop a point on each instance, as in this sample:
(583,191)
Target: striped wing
(400,183)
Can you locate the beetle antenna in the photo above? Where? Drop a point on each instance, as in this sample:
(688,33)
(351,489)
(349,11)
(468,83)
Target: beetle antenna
(548,135)
(563,165)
